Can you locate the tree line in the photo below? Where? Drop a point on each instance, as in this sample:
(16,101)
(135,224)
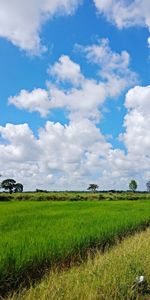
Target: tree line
(12,186)
(132,186)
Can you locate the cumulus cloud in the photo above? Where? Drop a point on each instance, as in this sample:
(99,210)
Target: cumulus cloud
(125,13)
(114,67)
(137,121)
(83,96)
(70,157)
(74,155)
(81,103)
(135,162)
(36,100)
(67,155)
(16,136)
(66,70)
(21,21)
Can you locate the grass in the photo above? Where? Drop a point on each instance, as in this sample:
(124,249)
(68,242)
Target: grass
(110,276)
(35,236)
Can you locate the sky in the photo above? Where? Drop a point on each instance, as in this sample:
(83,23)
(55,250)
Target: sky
(75,93)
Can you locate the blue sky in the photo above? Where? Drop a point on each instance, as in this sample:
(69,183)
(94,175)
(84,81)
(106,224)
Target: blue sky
(75,93)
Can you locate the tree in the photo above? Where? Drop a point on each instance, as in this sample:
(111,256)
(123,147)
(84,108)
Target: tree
(8,184)
(133,185)
(12,186)
(93,187)
(148,186)
(18,187)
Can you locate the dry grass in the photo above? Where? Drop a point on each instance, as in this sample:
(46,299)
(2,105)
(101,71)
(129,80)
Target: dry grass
(108,276)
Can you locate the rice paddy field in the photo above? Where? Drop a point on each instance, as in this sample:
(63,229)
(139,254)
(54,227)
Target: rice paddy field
(39,236)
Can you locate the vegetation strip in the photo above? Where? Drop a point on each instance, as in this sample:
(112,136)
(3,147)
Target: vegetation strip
(74,196)
(35,236)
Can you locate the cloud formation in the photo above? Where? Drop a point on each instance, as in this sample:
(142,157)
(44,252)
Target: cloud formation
(65,156)
(83,96)
(71,156)
(37,100)
(137,121)
(124,13)
(66,70)
(21,21)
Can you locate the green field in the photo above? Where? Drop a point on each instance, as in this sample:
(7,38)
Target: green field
(36,236)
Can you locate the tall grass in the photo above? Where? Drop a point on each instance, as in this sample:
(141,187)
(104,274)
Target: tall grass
(73,196)
(38,235)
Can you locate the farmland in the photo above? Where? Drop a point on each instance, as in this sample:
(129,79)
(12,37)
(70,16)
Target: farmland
(37,236)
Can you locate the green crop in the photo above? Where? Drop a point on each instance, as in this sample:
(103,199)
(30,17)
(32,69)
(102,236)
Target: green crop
(35,236)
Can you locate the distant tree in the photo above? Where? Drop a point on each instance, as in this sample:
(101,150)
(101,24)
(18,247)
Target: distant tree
(18,187)
(8,184)
(41,191)
(133,185)
(93,187)
(148,186)
(0,182)
(12,186)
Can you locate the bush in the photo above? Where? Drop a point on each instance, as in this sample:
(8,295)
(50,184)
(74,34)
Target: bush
(5,198)
(101,197)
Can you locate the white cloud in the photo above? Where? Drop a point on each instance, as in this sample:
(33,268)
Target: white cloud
(65,156)
(68,157)
(21,21)
(81,103)
(108,60)
(74,155)
(84,96)
(113,67)
(21,143)
(67,70)
(36,100)
(125,13)
(137,121)
(138,97)
(135,163)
